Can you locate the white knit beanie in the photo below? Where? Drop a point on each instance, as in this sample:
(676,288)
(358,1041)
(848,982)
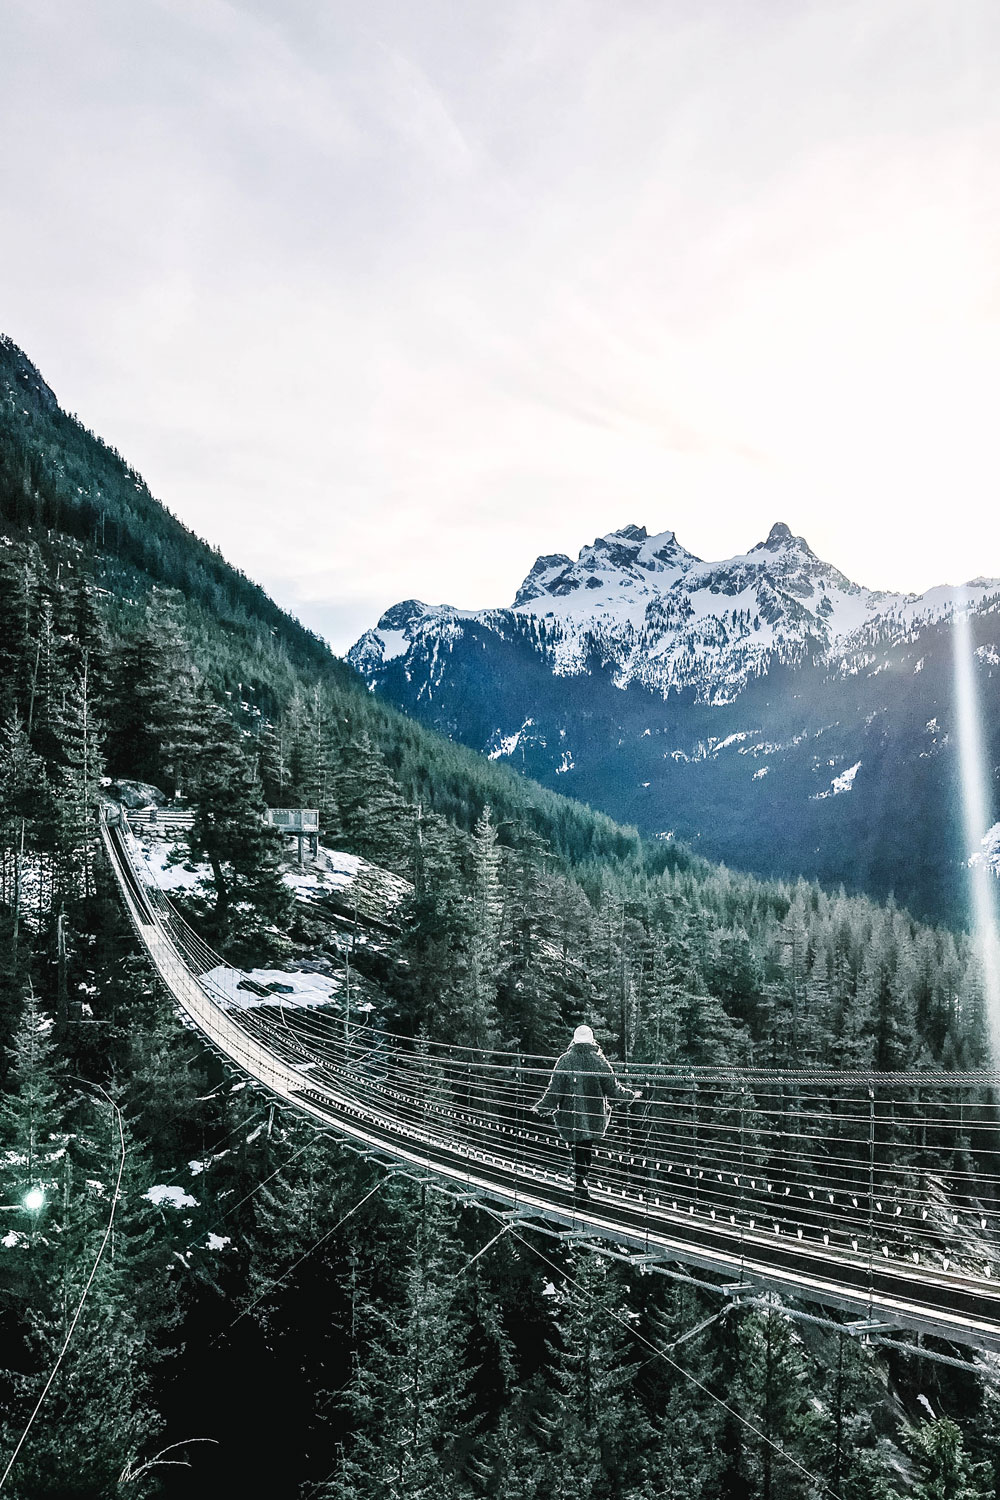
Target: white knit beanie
(583,1035)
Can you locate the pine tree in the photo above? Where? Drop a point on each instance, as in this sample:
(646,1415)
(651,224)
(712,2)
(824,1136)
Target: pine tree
(49,680)
(885,993)
(511,1465)
(84,634)
(153,710)
(487,918)
(596,1437)
(373,818)
(772,1391)
(18,583)
(310,757)
(101,1396)
(406,1403)
(23,798)
(167,1082)
(734,975)
(230,831)
(533,981)
(667,966)
(443,993)
(80,737)
(945,1471)
(31,1131)
(685,1462)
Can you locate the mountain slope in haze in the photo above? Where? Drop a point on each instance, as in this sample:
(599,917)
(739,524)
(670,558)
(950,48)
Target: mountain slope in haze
(57,478)
(768,709)
(72,509)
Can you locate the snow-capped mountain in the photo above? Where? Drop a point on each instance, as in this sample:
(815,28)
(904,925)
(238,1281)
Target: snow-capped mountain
(647,611)
(765,707)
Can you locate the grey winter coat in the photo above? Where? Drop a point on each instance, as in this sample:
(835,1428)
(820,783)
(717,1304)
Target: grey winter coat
(580,1092)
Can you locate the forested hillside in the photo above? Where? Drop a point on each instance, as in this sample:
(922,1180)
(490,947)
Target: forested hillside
(271,1311)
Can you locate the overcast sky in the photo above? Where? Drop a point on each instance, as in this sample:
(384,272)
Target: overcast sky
(386,298)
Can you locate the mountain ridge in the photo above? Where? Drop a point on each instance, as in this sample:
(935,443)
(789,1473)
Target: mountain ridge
(654,613)
(767,710)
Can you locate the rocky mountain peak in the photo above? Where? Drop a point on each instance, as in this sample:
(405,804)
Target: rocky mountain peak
(402,614)
(781,536)
(649,612)
(546,568)
(617,565)
(18,374)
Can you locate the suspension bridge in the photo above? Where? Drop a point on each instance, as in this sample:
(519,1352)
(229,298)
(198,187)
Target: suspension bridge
(877,1195)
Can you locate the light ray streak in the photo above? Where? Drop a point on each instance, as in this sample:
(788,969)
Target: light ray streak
(977,819)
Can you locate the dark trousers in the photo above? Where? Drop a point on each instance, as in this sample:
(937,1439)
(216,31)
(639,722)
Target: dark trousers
(583,1152)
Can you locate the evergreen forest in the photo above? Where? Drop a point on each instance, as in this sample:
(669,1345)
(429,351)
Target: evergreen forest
(269,1313)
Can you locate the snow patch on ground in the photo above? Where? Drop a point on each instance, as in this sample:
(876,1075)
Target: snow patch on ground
(295,988)
(175,1196)
(377,892)
(157,854)
(196,1167)
(732,739)
(218,1242)
(330,871)
(506,744)
(394,643)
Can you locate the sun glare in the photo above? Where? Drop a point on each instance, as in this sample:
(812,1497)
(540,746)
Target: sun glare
(977,819)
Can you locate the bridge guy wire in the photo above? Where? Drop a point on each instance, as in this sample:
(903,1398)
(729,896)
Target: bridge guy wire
(327,1234)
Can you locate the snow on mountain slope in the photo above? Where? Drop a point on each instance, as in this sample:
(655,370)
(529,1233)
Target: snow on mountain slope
(765,709)
(645,610)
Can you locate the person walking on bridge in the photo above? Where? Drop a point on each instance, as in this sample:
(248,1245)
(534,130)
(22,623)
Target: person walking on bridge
(580,1094)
